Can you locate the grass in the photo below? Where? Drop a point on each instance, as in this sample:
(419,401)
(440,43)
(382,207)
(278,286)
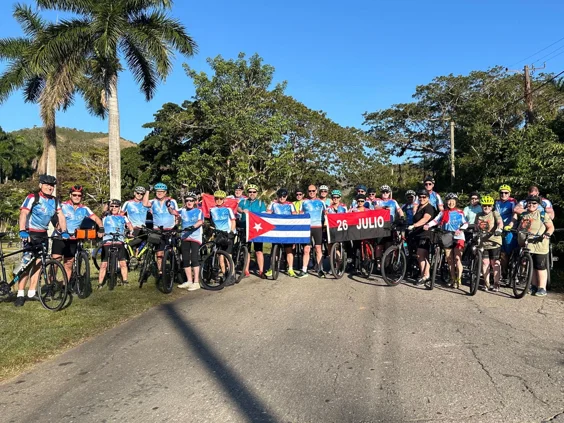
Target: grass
(31,334)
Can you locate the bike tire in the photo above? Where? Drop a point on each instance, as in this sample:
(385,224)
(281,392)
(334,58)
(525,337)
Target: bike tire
(112,270)
(338,260)
(437,261)
(522,275)
(144,271)
(367,260)
(52,286)
(394,265)
(275,262)
(169,271)
(82,285)
(240,263)
(211,276)
(97,257)
(476,272)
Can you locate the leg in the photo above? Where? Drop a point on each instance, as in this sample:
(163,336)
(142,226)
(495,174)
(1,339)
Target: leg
(458,265)
(289,256)
(68,266)
(123,268)
(486,269)
(451,269)
(102,273)
(307,250)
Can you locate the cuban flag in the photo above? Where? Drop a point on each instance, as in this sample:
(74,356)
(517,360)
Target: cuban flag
(278,229)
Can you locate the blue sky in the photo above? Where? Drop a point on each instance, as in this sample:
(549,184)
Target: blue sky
(343,57)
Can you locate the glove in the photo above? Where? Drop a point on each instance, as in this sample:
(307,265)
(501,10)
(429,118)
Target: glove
(65,235)
(410,227)
(497,232)
(507,228)
(190,228)
(167,203)
(24,235)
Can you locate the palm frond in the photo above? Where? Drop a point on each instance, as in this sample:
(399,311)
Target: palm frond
(30,21)
(83,7)
(135,6)
(14,48)
(142,68)
(33,88)
(12,79)
(92,91)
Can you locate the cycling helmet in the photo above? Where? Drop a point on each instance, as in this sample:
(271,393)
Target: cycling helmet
(451,196)
(385,188)
(474,194)
(423,192)
(371,191)
(429,178)
(239,186)
(336,193)
(410,193)
(47,179)
(282,192)
(252,186)
(360,187)
(533,198)
(323,188)
(360,197)
(505,188)
(115,202)
(140,189)
(219,194)
(487,200)
(191,195)
(75,188)
(161,187)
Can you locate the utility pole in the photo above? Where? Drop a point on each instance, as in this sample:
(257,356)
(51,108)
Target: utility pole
(528,95)
(452,170)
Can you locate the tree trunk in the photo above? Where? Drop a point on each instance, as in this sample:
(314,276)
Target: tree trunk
(113,133)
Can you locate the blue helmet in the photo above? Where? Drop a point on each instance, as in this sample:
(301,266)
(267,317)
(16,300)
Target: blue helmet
(361,187)
(161,186)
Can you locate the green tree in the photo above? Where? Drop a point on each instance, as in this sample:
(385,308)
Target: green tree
(138,31)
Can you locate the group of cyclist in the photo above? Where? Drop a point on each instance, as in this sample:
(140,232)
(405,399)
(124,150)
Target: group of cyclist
(420,212)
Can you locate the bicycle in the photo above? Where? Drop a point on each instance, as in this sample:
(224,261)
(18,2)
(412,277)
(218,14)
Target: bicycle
(172,261)
(476,258)
(52,284)
(133,260)
(396,257)
(437,258)
(80,274)
(216,267)
(338,259)
(364,258)
(240,255)
(149,264)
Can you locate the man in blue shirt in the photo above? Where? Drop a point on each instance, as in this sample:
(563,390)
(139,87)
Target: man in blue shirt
(254,205)
(136,211)
(316,210)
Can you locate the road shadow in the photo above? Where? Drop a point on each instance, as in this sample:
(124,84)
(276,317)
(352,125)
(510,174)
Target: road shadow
(372,281)
(249,404)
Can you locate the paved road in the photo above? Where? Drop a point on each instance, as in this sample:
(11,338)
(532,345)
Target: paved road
(311,350)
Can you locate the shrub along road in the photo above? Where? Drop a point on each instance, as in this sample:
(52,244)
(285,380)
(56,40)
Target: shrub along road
(311,350)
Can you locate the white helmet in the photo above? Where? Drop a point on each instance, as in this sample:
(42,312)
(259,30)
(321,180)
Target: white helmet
(385,188)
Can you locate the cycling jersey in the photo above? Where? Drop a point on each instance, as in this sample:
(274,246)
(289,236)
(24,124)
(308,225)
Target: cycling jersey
(544,205)
(281,208)
(367,205)
(471,211)
(222,217)
(41,214)
(341,208)
(434,198)
(408,211)
(453,222)
(534,223)
(74,217)
(392,205)
(190,218)
(298,205)
(254,206)
(136,212)
(505,209)
(116,224)
(237,198)
(327,201)
(315,209)
(161,215)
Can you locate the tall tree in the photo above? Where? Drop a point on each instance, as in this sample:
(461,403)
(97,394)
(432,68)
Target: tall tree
(139,31)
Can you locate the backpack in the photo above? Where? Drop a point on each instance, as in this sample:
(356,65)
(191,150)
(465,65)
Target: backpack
(55,218)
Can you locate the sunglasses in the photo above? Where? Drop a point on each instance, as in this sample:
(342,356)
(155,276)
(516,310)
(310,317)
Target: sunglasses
(422,196)
(361,192)
(532,203)
(252,192)
(160,191)
(189,200)
(299,193)
(428,183)
(76,195)
(218,198)
(335,198)
(504,193)
(385,192)
(311,190)
(484,206)
(324,190)
(114,207)
(285,195)
(140,193)
(372,193)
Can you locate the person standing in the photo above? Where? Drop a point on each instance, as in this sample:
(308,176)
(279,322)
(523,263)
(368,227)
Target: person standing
(315,208)
(254,205)
(282,206)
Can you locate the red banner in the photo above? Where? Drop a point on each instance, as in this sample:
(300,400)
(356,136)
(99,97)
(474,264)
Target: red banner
(208,203)
(368,224)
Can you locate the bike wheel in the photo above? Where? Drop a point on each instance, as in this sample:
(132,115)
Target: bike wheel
(169,271)
(112,270)
(82,284)
(522,274)
(338,260)
(52,286)
(276,260)
(394,265)
(240,263)
(144,271)
(97,257)
(212,276)
(437,263)
(476,272)
(367,260)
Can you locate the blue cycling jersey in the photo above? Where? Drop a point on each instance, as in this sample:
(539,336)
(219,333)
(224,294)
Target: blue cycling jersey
(255,206)
(221,218)
(161,215)
(471,211)
(315,210)
(341,208)
(367,205)
(116,224)
(74,217)
(40,216)
(455,221)
(281,208)
(408,211)
(505,209)
(189,218)
(392,205)
(136,212)
(434,198)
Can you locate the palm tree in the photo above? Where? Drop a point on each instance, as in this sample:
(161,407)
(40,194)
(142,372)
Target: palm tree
(107,30)
(51,84)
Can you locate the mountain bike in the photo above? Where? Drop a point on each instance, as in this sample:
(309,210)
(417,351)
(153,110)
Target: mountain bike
(476,258)
(149,263)
(113,271)
(134,257)
(216,267)
(52,285)
(364,258)
(437,258)
(241,255)
(172,262)
(397,257)
(80,275)
(338,259)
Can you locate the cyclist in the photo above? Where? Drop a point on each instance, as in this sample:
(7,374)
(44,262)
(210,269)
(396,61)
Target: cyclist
(283,207)
(421,217)
(223,219)
(505,207)
(192,219)
(315,208)
(162,207)
(453,220)
(471,210)
(36,213)
(387,202)
(254,205)
(372,199)
(536,222)
(137,215)
(360,206)
(324,195)
(117,223)
(361,190)
(75,214)
(407,208)
(238,190)
(299,200)
(490,221)
(434,197)
(336,206)
(545,204)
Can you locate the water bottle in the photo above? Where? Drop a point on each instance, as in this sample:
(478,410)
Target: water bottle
(141,246)
(25,260)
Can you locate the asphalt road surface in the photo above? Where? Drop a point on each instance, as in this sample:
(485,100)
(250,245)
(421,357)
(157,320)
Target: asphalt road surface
(311,350)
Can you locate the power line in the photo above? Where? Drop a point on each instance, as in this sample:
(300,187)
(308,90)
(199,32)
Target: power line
(556,55)
(534,54)
(548,54)
(548,81)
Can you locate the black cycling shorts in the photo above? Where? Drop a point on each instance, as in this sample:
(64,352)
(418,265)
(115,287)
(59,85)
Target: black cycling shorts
(317,236)
(38,237)
(65,248)
(540,261)
(257,247)
(121,252)
(492,254)
(190,254)
(424,244)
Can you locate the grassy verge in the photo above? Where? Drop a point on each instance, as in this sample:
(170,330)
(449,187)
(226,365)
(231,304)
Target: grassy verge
(31,334)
